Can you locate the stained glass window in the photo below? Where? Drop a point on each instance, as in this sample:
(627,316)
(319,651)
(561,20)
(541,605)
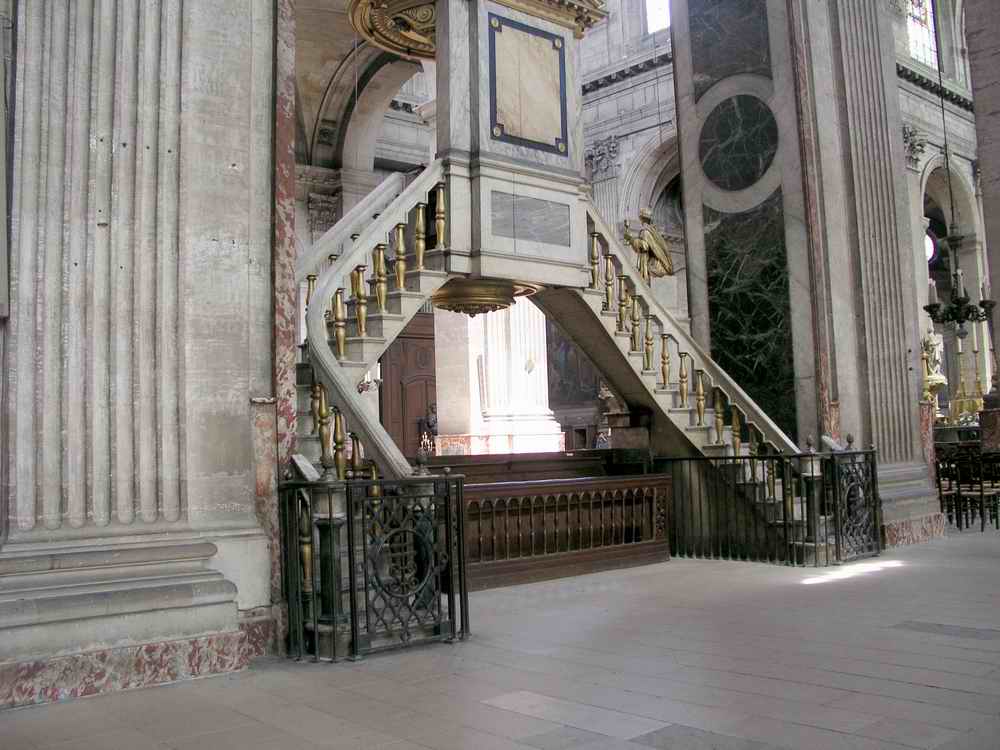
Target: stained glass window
(920,30)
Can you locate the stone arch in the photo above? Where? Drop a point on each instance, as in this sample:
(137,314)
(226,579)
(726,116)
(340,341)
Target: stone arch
(357,96)
(934,183)
(654,164)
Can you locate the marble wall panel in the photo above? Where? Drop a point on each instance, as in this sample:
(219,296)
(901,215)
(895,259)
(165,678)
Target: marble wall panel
(533,219)
(728,37)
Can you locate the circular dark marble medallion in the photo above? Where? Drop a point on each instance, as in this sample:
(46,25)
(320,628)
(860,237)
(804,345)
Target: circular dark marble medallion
(738,142)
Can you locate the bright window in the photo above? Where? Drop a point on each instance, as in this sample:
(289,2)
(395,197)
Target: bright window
(657,14)
(920,30)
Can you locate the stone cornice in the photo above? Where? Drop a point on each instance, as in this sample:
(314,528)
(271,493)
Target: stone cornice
(629,71)
(930,85)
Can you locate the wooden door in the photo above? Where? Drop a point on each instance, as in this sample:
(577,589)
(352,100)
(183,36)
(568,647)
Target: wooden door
(408,383)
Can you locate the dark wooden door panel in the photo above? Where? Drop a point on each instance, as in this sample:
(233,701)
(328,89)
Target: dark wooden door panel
(408,383)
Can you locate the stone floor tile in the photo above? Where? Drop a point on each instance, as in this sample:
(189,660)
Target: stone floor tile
(800,737)
(679,737)
(911,733)
(563,738)
(593,719)
(172,723)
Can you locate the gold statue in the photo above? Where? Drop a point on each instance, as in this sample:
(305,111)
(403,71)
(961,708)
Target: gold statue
(650,246)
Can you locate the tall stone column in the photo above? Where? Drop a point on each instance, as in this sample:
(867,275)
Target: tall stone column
(813,89)
(140,336)
(492,380)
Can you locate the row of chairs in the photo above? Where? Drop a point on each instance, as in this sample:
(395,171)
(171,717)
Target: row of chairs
(968,485)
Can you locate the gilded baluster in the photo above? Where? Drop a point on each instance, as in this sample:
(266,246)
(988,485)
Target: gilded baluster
(699,397)
(339,459)
(609,284)
(376,489)
(325,437)
(381,278)
(595,260)
(340,324)
(361,303)
(770,468)
(665,359)
(623,304)
(737,438)
(420,237)
(314,401)
(357,465)
(401,256)
(647,349)
(440,216)
(720,417)
(636,329)
(310,287)
(682,379)
(305,546)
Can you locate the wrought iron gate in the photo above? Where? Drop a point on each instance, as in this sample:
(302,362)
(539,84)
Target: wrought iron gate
(390,570)
(856,504)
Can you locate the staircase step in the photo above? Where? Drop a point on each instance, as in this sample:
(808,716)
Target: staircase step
(404,303)
(376,325)
(425,282)
(365,349)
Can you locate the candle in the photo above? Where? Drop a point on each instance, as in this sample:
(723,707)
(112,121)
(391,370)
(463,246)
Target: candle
(932,298)
(960,283)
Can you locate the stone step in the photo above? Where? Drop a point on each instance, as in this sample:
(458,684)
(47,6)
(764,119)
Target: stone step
(365,349)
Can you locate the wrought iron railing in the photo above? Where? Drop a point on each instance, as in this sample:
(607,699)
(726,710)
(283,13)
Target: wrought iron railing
(804,509)
(517,531)
(372,565)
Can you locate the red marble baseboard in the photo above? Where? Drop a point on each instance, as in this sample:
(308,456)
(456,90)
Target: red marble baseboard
(913,530)
(96,672)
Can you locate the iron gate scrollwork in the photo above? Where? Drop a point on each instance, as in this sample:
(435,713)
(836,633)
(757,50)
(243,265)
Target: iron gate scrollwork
(856,504)
(405,562)
(372,564)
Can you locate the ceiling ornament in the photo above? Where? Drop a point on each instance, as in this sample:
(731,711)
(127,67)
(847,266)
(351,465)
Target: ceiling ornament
(403,27)
(406,27)
(477,296)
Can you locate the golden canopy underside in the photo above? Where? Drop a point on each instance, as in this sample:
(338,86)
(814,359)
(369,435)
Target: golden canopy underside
(406,27)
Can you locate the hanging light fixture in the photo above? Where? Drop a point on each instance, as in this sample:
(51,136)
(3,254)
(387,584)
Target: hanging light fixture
(959,309)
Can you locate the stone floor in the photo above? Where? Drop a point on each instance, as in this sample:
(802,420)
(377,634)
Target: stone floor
(899,652)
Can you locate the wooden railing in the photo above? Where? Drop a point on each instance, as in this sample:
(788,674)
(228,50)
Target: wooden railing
(522,531)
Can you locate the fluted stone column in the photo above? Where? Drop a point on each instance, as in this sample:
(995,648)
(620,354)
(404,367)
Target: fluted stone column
(492,381)
(141,322)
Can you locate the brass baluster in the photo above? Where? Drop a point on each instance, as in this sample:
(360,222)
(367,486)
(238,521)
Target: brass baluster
(339,324)
(647,349)
(440,216)
(720,417)
(682,378)
(381,279)
(305,547)
(636,325)
(326,457)
(314,394)
(771,484)
(361,302)
(665,359)
(609,284)
(737,438)
(376,490)
(595,260)
(699,397)
(310,287)
(420,237)
(356,463)
(339,459)
(400,257)
(623,304)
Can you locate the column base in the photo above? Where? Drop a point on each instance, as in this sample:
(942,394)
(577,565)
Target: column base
(33,681)
(85,621)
